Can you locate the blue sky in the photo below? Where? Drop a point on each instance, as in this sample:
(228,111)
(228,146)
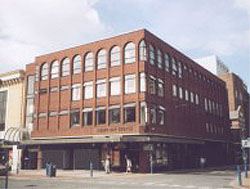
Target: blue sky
(195,27)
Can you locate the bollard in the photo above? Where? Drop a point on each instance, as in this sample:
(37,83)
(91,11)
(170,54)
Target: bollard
(239,175)
(246,169)
(91,169)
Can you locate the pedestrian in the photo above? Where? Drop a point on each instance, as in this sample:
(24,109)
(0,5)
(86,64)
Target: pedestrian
(107,164)
(128,164)
(202,162)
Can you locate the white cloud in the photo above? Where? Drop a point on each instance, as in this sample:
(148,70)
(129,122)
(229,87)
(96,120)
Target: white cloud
(243,4)
(31,27)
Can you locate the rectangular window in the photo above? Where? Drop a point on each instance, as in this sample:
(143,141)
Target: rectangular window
(167,62)
(186,95)
(129,113)
(152,84)
(210,106)
(192,97)
(88,90)
(3,102)
(76,92)
(153,115)
(161,114)
(180,69)
(31,85)
(196,99)
(174,90)
(143,112)
(115,86)
(30,107)
(180,93)
(129,84)
(87,116)
(206,105)
(142,82)
(101,88)
(100,115)
(160,88)
(75,117)
(114,114)
(174,67)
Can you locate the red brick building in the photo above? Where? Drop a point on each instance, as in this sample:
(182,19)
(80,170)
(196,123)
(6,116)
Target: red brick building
(132,95)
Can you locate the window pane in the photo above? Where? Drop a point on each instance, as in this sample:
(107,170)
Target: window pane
(159,58)
(115,56)
(129,114)
(143,113)
(143,51)
(101,88)
(151,54)
(76,92)
(88,90)
(87,118)
(129,54)
(100,117)
(3,102)
(44,72)
(161,114)
(153,115)
(65,67)
(115,86)
(174,90)
(54,69)
(101,59)
(114,115)
(160,88)
(31,85)
(142,82)
(89,62)
(152,85)
(180,93)
(129,84)
(77,64)
(75,118)
(167,62)
(30,107)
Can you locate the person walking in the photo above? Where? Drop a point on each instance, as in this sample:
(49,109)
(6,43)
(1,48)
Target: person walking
(128,164)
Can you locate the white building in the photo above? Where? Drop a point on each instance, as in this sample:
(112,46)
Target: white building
(12,90)
(213,64)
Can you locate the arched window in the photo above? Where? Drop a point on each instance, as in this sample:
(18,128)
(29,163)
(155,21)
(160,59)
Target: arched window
(77,64)
(89,62)
(151,54)
(101,59)
(159,58)
(44,72)
(54,73)
(142,51)
(65,67)
(129,53)
(115,56)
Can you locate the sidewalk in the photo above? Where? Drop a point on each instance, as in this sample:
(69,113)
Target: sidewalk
(66,174)
(245,181)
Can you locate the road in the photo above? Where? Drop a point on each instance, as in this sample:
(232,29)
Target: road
(191,180)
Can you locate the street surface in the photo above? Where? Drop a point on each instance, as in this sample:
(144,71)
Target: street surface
(187,180)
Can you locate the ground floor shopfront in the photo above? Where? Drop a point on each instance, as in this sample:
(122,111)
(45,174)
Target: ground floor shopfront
(162,153)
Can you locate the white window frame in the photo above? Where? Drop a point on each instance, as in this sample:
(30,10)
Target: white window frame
(130,80)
